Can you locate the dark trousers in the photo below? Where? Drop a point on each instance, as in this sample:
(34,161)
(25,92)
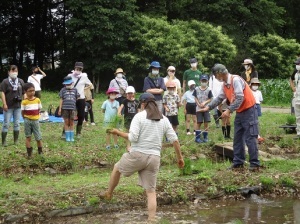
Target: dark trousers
(90,111)
(246,131)
(80,105)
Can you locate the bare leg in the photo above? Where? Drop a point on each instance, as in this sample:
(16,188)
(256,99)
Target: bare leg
(28,140)
(107,139)
(115,139)
(152,204)
(194,121)
(114,180)
(187,121)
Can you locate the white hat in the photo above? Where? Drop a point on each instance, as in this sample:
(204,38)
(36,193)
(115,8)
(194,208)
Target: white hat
(247,61)
(191,82)
(171,68)
(130,89)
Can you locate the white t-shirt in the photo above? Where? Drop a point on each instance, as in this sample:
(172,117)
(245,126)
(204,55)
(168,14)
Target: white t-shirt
(258,96)
(215,85)
(36,81)
(81,84)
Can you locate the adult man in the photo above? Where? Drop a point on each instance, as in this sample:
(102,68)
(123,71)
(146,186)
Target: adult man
(295,85)
(35,79)
(80,80)
(155,84)
(191,74)
(241,100)
(146,133)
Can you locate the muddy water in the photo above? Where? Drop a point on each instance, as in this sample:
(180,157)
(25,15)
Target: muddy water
(250,211)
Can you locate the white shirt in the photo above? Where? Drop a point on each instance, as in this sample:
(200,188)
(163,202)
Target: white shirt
(215,85)
(36,81)
(258,96)
(84,80)
(146,135)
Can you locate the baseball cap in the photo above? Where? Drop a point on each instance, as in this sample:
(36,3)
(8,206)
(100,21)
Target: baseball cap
(203,77)
(78,64)
(67,80)
(218,68)
(247,61)
(171,68)
(130,89)
(191,82)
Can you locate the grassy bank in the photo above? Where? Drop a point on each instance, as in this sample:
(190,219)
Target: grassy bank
(72,174)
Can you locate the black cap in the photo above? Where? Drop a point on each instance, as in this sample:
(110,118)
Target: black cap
(146,96)
(78,65)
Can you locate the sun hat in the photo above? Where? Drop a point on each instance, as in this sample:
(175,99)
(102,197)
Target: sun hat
(297,62)
(155,64)
(255,81)
(171,84)
(171,68)
(146,96)
(111,90)
(203,77)
(119,70)
(78,64)
(130,89)
(247,62)
(193,60)
(67,80)
(191,82)
(219,68)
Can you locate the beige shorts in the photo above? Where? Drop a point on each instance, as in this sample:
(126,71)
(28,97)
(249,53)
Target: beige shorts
(146,165)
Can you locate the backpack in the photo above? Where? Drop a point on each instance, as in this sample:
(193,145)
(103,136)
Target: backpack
(50,110)
(56,112)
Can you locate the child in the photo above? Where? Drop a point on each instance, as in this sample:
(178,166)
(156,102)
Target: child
(226,127)
(89,98)
(203,96)
(30,108)
(254,84)
(171,102)
(130,105)
(67,107)
(189,103)
(110,109)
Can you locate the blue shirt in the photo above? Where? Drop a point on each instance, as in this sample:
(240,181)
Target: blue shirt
(157,83)
(69,98)
(188,97)
(111,110)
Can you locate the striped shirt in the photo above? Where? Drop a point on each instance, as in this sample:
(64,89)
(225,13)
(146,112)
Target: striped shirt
(69,97)
(31,108)
(146,135)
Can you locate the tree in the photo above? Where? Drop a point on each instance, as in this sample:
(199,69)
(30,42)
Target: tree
(97,32)
(274,55)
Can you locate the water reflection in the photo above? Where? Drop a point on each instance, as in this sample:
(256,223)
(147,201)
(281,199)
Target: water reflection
(250,211)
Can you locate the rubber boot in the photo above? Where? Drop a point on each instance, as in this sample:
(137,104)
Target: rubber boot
(224,131)
(40,150)
(78,130)
(198,136)
(217,121)
(16,137)
(228,128)
(68,139)
(205,136)
(71,136)
(29,151)
(4,134)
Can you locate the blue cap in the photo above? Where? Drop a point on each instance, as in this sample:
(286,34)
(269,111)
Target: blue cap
(155,64)
(67,80)
(146,96)
(203,77)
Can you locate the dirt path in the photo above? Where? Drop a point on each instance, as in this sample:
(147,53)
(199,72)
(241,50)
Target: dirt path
(283,110)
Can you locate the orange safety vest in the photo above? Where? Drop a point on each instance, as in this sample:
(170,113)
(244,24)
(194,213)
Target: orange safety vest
(249,99)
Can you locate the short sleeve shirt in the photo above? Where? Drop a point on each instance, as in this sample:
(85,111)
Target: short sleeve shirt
(171,101)
(130,108)
(69,97)
(191,75)
(111,110)
(202,95)
(36,81)
(154,83)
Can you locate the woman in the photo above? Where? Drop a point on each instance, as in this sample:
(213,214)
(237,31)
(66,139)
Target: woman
(250,71)
(120,84)
(12,94)
(171,77)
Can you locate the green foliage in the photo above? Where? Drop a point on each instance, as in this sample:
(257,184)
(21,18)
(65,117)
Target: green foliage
(267,182)
(168,42)
(187,169)
(274,55)
(94,201)
(230,188)
(287,181)
(290,119)
(276,91)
